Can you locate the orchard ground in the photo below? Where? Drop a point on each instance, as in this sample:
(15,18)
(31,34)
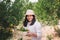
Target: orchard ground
(47,32)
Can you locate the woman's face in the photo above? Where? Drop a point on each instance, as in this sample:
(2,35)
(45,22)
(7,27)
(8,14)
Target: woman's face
(29,18)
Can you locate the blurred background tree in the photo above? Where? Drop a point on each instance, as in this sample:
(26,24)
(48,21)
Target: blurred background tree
(47,11)
(11,13)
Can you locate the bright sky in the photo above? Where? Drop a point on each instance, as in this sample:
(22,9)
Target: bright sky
(29,0)
(1,0)
(12,0)
(33,0)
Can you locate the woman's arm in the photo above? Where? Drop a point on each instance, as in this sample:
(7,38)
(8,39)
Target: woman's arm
(38,31)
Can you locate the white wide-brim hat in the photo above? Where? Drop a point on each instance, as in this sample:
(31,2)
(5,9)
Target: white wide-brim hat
(30,12)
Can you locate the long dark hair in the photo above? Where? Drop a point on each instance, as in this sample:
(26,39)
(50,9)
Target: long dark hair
(26,21)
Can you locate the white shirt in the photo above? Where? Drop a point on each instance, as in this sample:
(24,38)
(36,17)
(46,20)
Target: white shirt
(35,28)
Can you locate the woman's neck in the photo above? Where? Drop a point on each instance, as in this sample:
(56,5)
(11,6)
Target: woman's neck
(29,22)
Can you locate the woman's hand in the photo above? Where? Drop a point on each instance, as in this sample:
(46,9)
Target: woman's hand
(30,34)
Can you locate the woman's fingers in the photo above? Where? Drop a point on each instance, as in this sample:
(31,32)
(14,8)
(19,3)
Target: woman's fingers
(28,34)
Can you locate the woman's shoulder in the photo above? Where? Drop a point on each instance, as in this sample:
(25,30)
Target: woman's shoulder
(37,22)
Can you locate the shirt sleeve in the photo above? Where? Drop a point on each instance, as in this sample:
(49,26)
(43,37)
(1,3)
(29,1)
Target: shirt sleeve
(38,30)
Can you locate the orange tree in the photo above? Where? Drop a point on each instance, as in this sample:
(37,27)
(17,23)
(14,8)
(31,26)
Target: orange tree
(48,11)
(10,15)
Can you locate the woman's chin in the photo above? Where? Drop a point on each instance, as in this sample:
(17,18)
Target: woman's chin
(29,20)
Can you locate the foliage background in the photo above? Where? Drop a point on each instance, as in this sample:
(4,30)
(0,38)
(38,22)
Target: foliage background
(11,13)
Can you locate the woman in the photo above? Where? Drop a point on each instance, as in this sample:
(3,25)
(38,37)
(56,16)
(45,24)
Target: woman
(33,26)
